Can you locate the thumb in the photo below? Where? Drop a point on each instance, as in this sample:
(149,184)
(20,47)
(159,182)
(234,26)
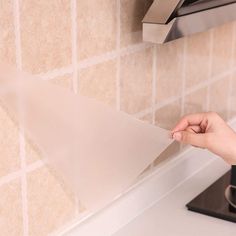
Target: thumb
(198,140)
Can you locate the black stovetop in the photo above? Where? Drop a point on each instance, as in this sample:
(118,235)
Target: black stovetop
(212,201)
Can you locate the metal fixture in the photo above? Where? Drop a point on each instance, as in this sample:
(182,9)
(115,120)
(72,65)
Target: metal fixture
(167,20)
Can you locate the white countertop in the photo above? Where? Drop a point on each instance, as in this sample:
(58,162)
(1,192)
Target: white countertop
(169,217)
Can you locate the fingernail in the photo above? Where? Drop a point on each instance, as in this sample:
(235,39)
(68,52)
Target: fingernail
(177,136)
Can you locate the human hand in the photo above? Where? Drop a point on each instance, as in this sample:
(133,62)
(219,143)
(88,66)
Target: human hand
(207,130)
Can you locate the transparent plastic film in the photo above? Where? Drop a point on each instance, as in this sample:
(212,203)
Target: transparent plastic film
(99,151)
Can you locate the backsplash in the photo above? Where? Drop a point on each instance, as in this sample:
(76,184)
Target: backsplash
(95,48)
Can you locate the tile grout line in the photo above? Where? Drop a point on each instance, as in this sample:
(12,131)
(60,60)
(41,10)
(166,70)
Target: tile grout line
(112,55)
(34,166)
(118,42)
(21,134)
(10,177)
(18,174)
(74,45)
(210,69)
(56,73)
(95,60)
(75,69)
(231,76)
(17,34)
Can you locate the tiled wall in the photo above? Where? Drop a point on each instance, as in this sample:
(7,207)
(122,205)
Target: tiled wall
(95,48)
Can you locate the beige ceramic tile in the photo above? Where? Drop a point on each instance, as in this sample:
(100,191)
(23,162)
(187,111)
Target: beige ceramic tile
(96,27)
(170,152)
(99,82)
(132,13)
(10,209)
(222,48)
(9,144)
(197,59)
(136,81)
(50,204)
(45,34)
(167,116)
(169,70)
(219,97)
(7,39)
(196,101)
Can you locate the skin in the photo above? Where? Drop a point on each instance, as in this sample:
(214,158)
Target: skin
(207,130)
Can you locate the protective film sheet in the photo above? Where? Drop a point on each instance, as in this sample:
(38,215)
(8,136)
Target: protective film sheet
(99,151)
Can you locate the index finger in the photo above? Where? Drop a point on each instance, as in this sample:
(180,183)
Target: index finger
(191,119)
